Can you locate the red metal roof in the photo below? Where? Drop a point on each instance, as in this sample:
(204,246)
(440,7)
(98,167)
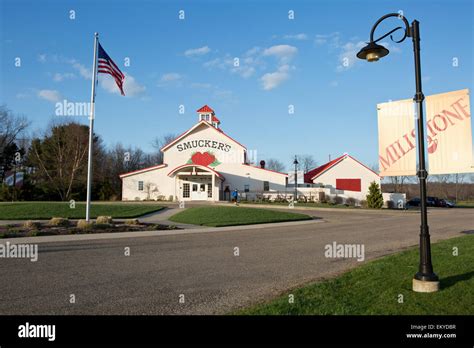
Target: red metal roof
(309,176)
(215,119)
(316,171)
(205,108)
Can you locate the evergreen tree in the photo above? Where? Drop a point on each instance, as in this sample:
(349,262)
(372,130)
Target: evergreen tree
(374,198)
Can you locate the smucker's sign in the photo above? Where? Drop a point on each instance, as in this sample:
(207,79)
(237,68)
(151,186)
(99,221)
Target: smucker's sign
(210,144)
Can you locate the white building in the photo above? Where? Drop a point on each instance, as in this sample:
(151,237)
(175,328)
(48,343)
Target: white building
(202,164)
(205,164)
(345,176)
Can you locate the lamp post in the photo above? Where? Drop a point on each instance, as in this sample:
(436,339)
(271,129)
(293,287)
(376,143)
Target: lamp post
(295,162)
(425,280)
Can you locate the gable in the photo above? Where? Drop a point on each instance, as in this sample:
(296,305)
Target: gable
(202,143)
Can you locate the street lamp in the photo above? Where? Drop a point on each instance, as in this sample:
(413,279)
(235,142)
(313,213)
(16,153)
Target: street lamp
(295,162)
(425,280)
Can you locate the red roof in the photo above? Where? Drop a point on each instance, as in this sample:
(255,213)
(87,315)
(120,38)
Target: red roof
(319,170)
(316,171)
(215,119)
(205,108)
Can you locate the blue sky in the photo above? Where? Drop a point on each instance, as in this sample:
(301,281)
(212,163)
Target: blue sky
(189,62)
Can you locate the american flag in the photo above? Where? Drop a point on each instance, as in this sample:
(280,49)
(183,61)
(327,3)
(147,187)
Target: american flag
(107,66)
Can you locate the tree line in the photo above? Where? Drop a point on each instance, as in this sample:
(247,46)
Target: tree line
(52,165)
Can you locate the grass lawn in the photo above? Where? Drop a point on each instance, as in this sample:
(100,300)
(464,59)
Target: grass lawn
(47,210)
(374,288)
(231,216)
(464,204)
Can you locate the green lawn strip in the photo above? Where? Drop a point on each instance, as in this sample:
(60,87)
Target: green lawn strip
(232,216)
(374,288)
(47,210)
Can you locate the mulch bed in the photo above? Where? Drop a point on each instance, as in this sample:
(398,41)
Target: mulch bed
(43,229)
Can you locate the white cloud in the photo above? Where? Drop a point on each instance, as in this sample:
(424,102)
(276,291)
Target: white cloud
(333,39)
(197,51)
(50,95)
(171,77)
(284,52)
(299,37)
(274,79)
(253,51)
(83,71)
(131,87)
(58,77)
(42,58)
(347,57)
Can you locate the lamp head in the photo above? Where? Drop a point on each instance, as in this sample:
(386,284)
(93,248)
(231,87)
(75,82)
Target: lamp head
(372,52)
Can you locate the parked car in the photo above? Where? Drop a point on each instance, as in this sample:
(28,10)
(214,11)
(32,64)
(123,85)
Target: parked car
(414,202)
(446,203)
(432,202)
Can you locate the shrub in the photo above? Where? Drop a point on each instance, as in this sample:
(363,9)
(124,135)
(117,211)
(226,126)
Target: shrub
(337,200)
(104,220)
(375,198)
(363,204)
(31,225)
(33,233)
(351,201)
(131,222)
(84,225)
(59,221)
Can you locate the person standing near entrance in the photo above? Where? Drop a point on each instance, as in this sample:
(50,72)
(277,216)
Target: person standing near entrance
(235,196)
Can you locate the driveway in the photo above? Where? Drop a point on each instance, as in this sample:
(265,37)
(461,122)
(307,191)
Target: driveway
(202,268)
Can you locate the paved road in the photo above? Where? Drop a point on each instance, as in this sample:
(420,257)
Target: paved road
(202,266)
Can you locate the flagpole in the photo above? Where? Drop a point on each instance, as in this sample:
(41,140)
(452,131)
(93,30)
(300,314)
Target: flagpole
(91,128)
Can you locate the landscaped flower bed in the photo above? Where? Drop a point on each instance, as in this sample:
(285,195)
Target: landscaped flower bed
(51,228)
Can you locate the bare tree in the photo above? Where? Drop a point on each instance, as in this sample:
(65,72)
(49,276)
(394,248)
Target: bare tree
(11,126)
(458,180)
(398,182)
(274,164)
(60,158)
(306,163)
(158,143)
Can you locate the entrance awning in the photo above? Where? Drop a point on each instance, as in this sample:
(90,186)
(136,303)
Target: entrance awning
(196,166)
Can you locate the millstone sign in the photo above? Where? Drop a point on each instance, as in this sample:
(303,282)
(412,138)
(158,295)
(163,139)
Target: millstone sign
(425,280)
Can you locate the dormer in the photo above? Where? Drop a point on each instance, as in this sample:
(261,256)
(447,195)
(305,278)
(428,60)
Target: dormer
(207,114)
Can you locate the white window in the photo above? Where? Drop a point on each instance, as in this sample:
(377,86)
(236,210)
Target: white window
(209,190)
(246,188)
(140,186)
(266,186)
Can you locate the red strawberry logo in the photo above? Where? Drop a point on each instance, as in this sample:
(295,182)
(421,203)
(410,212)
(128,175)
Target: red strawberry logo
(203,159)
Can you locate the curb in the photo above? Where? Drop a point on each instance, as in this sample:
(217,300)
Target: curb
(117,235)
